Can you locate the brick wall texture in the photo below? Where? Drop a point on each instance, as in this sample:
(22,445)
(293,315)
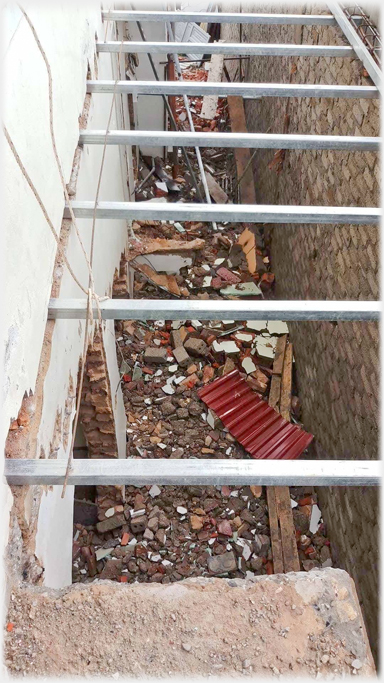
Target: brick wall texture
(336,363)
(97,418)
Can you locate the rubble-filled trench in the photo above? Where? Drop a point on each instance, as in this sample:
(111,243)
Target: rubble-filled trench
(169,533)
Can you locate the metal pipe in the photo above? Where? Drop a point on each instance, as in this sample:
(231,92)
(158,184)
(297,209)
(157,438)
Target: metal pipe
(189,165)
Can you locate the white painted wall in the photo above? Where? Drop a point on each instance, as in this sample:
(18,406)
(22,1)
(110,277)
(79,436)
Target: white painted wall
(67,33)
(149,108)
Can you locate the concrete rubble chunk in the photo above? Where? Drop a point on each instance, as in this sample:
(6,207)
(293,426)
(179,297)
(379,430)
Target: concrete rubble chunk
(196,347)
(176,339)
(111,523)
(222,564)
(155,355)
(138,524)
(181,356)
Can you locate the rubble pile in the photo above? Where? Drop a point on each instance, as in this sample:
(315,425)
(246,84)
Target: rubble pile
(165,534)
(165,363)
(219,269)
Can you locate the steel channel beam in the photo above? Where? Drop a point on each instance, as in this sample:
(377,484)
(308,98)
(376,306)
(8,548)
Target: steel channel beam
(227,309)
(222,17)
(254,90)
(233,140)
(238,49)
(357,44)
(138,472)
(235,213)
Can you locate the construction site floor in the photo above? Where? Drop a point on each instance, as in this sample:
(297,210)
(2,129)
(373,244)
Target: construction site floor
(301,624)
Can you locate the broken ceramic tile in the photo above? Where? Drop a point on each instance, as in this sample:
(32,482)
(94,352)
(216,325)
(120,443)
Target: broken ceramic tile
(225,347)
(248,365)
(256,325)
(277,327)
(242,289)
(315,519)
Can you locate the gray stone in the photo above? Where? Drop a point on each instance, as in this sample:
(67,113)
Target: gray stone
(111,523)
(157,355)
(167,408)
(138,524)
(196,347)
(261,544)
(181,356)
(222,564)
(153,524)
(176,339)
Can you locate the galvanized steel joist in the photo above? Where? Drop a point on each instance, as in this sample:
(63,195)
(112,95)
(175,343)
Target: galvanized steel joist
(235,213)
(237,49)
(232,140)
(251,90)
(139,472)
(222,309)
(222,17)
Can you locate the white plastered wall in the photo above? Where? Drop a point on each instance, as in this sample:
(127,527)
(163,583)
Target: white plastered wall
(149,109)
(67,33)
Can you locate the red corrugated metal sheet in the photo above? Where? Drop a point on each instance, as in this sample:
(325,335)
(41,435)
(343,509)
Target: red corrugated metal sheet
(257,426)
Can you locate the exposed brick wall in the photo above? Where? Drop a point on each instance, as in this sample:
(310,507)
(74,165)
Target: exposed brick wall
(337,364)
(97,419)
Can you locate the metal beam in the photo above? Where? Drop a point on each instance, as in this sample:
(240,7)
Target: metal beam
(233,140)
(235,213)
(219,309)
(238,49)
(193,471)
(357,44)
(251,90)
(222,17)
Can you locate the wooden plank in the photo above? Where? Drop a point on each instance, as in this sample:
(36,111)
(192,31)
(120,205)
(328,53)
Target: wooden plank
(216,192)
(286,384)
(274,393)
(277,550)
(242,156)
(283,498)
(287,529)
(209,106)
(274,400)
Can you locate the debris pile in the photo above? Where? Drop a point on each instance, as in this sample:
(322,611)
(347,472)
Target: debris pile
(165,534)
(165,364)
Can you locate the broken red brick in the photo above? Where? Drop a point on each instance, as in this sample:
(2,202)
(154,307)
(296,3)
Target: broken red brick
(125,539)
(208,373)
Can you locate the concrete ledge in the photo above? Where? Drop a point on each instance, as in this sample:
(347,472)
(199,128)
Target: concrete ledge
(299,623)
